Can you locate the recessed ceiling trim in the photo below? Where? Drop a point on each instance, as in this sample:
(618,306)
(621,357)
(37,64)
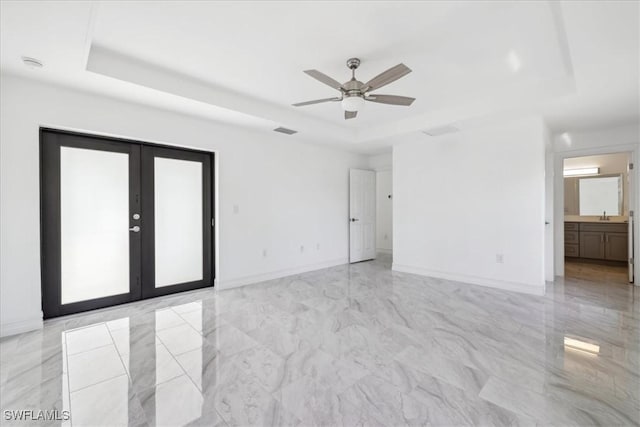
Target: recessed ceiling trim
(116,65)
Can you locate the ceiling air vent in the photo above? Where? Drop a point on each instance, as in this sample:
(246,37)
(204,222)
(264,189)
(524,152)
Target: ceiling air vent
(441,130)
(285,131)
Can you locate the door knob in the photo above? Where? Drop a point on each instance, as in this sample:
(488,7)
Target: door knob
(135,229)
(354,219)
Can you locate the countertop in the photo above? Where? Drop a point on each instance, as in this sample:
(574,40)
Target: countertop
(613,220)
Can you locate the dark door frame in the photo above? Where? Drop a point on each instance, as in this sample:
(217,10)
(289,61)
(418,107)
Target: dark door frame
(50,233)
(148,220)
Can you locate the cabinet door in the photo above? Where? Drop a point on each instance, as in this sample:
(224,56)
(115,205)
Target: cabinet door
(616,246)
(592,244)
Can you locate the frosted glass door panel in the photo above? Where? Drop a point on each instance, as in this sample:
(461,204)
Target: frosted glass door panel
(178,221)
(94,211)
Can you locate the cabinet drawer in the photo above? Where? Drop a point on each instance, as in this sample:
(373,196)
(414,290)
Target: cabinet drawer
(571,226)
(572,250)
(609,228)
(571,237)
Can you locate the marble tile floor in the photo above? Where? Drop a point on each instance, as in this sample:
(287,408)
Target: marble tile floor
(350,345)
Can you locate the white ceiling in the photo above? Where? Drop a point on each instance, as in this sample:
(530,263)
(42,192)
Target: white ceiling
(242,62)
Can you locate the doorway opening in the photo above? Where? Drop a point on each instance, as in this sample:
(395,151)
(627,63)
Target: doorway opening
(384,212)
(598,218)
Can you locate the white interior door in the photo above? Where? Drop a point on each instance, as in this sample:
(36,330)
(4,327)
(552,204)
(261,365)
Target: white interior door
(362,215)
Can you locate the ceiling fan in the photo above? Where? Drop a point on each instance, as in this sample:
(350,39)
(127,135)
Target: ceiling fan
(354,93)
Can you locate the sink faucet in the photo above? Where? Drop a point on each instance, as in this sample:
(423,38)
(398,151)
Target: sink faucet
(604,216)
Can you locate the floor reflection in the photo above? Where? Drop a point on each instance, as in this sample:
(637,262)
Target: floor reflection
(348,345)
(157,355)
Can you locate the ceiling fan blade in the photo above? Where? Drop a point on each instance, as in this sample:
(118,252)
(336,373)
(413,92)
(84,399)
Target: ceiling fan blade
(390,99)
(350,115)
(321,77)
(386,77)
(315,101)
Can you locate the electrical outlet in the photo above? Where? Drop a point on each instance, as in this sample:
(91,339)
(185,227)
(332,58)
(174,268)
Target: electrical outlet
(301,249)
(499,258)
(264,253)
(317,246)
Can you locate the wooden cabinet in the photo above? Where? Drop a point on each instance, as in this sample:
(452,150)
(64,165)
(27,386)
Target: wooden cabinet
(571,239)
(596,241)
(616,246)
(592,244)
(572,251)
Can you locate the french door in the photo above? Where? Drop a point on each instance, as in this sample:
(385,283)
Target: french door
(121,221)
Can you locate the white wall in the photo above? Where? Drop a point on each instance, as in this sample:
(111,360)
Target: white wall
(289,194)
(461,199)
(612,137)
(381,162)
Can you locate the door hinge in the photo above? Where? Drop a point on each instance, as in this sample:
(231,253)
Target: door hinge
(213,221)
(630,213)
(630,166)
(631,261)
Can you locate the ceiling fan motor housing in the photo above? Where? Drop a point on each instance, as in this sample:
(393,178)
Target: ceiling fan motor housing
(352,87)
(353,63)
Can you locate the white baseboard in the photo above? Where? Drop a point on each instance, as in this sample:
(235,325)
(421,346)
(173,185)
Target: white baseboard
(248,280)
(384,251)
(13,328)
(474,280)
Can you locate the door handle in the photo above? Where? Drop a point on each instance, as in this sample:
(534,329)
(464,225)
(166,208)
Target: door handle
(354,219)
(135,229)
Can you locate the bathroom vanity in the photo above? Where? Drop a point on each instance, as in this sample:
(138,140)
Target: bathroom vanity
(596,225)
(596,240)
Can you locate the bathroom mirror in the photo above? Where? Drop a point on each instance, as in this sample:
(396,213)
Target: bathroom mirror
(600,194)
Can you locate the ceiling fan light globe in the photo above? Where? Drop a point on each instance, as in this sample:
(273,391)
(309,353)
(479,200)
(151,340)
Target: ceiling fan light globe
(352,103)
